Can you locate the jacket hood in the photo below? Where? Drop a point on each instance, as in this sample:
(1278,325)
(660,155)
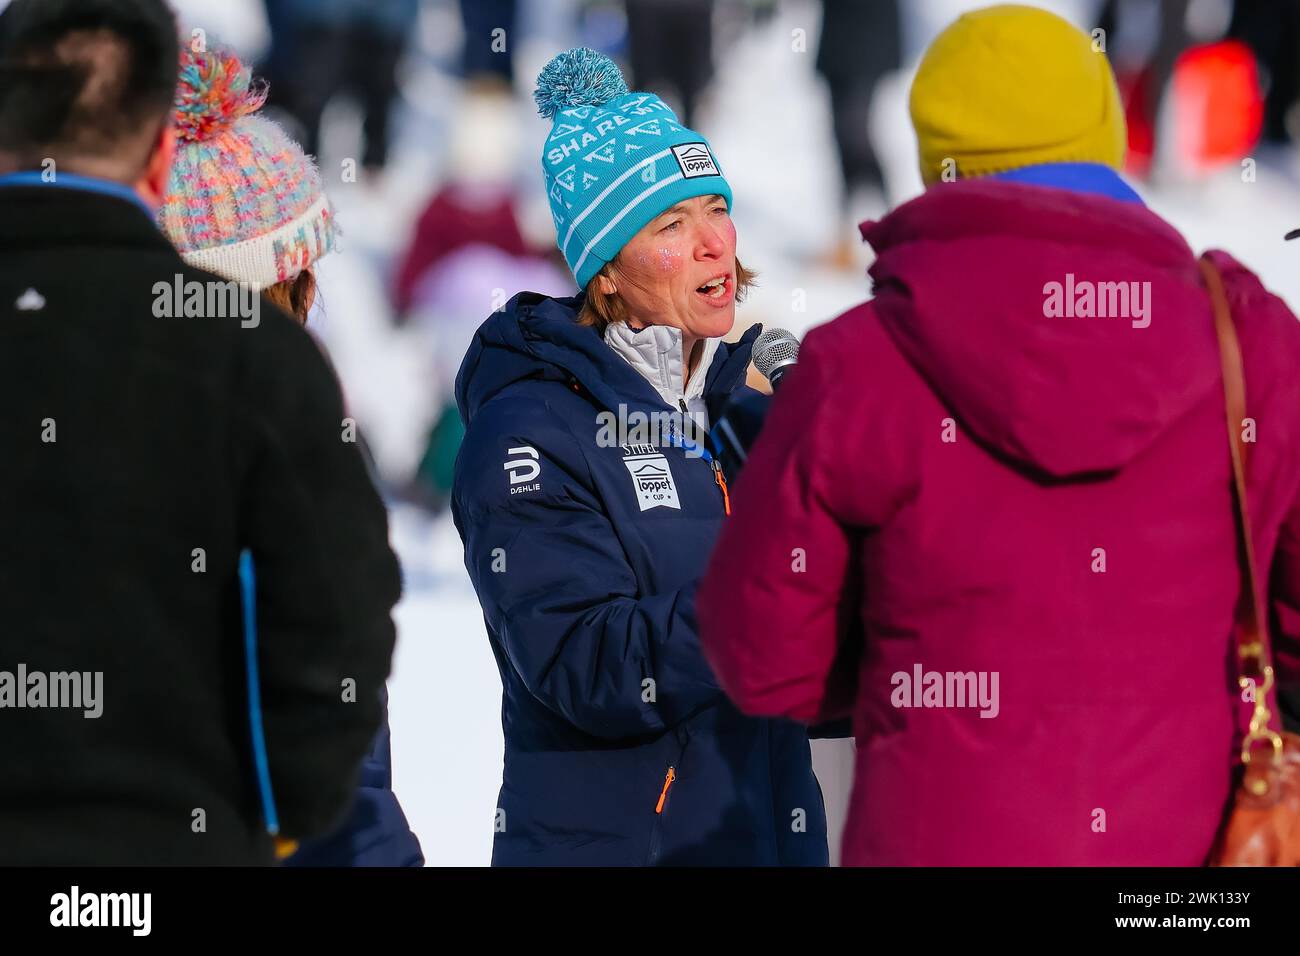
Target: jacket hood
(538,337)
(1066,331)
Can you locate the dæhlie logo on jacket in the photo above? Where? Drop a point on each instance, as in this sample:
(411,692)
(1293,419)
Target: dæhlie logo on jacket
(522,471)
(652,479)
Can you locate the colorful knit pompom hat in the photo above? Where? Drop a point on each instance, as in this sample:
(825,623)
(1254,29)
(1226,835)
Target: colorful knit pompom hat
(244,201)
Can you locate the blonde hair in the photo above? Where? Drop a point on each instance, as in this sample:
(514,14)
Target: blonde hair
(602,309)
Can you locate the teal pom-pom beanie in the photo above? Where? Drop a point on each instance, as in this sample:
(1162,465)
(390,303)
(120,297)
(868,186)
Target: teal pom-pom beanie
(614,160)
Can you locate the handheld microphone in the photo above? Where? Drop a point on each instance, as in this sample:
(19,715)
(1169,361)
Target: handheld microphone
(775,353)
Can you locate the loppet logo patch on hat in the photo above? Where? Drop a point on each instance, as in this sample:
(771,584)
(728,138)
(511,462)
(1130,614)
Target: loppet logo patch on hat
(695,160)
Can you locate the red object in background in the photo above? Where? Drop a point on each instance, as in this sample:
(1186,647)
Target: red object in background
(459,215)
(1217,108)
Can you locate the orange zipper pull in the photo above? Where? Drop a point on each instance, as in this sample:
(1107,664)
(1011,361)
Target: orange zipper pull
(722,483)
(663,794)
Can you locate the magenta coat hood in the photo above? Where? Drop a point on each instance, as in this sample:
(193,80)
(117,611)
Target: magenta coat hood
(995,528)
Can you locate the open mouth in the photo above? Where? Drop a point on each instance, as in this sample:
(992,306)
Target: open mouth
(716,288)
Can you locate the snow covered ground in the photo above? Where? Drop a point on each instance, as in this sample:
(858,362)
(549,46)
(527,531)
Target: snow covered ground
(768,121)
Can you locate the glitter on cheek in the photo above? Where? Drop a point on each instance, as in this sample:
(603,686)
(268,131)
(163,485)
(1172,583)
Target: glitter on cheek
(670,260)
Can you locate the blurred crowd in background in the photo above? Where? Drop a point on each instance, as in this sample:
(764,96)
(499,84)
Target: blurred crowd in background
(419,111)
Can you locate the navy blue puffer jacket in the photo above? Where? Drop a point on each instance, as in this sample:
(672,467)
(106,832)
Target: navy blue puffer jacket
(620,749)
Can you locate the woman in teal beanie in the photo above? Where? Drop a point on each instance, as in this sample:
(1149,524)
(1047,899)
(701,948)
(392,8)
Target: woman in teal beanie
(585,542)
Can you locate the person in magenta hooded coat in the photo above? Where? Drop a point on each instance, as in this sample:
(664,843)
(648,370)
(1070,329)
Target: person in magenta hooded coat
(972,475)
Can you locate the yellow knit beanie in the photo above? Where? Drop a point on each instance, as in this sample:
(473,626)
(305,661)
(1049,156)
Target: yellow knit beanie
(1011,86)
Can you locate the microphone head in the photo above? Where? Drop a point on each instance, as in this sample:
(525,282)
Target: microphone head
(774,352)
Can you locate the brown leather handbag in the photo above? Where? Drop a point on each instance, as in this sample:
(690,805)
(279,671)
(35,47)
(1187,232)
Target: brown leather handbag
(1262,827)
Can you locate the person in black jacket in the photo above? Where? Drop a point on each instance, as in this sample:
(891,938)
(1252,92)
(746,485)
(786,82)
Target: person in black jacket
(195,576)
